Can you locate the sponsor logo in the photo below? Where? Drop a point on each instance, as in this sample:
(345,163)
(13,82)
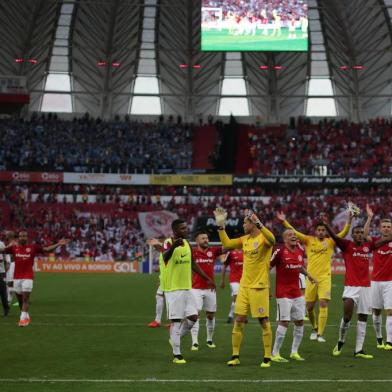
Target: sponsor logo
(366,249)
(261,310)
(256,245)
(209,254)
(300,258)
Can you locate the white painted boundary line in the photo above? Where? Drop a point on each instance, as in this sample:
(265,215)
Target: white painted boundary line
(153,380)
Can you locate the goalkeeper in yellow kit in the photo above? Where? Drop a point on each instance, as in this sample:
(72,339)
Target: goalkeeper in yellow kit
(253,295)
(319,252)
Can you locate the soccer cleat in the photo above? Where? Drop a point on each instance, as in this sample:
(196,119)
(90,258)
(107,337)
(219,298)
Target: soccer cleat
(195,347)
(388,346)
(380,344)
(278,358)
(337,350)
(361,354)
(313,335)
(179,360)
(234,361)
(24,323)
(211,344)
(6,311)
(296,357)
(154,324)
(266,363)
(320,339)
(229,320)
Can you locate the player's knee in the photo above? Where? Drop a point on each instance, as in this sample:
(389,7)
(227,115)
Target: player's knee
(323,303)
(389,312)
(193,317)
(240,319)
(298,323)
(376,312)
(284,324)
(362,317)
(210,316)
(347,318)
(264,321)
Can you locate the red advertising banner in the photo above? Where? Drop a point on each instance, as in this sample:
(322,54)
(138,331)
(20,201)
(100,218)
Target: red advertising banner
(121,267)
(31,176)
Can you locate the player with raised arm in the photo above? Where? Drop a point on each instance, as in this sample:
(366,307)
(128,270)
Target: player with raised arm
(204,256)
(357,292)
(253,295)
(289,262)
(319,252)
(176,265)
(234,259)
(381,280)
(24,255)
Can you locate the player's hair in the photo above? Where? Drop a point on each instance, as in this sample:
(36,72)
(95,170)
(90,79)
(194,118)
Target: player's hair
(176,223)
(319,224)
(356,227)
(200,232)
(385,220)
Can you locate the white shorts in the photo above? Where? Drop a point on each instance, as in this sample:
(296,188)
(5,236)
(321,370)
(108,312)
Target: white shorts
(362,297)
(302,281)
(381,295)
(235,288)
(290,309)
(180,304)
(205,299)
(159,291)
(10,273)
(23,285)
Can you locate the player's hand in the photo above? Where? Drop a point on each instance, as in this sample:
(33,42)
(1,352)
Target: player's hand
(64,241)
(249,214)
(369,211)
(220,216)
(153,242)
(324,218)
(177,242)
(312,280)
(222,285)
(353,209)
(281,216)
(211,284)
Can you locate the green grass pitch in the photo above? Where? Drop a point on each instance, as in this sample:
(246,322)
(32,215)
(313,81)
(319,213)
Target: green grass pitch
(89,333)
(214,40)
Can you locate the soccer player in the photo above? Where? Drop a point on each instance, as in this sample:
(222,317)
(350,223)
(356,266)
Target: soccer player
(319,251)
(253,294)
(233,259)
(24,254)
(176,265)
(10,268)
(204,256)
(3,282)
(289,262)
(381,281)
(356,255)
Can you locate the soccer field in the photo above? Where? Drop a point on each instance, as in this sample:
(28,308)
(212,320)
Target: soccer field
(214,40)
(89,333)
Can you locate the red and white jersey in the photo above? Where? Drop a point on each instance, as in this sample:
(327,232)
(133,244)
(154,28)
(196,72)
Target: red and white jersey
(357,260)
(235,260)
(205,259)
(288,267)
(382,263)
(24,259)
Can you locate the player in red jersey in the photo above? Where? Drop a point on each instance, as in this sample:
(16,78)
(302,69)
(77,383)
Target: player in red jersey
(356,255)
(204,256)
(289,262)
(381,280)
(235,260)
(24,254)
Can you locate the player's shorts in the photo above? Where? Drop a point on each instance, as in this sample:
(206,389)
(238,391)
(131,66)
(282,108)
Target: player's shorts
(235,287)
(159,291)
(205,299)
(302,281)
(23,285)
(361,296)
(254,300)
(381,295)
(180,304)
(320,290)
(10,273)
(290,309)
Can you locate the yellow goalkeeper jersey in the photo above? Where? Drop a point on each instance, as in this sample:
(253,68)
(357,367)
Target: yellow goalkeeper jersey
(318,252)
(257,256)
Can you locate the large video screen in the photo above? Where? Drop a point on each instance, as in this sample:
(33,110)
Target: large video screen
(254,25)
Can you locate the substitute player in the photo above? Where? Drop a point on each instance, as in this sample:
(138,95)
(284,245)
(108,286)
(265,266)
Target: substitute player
(289,262)
(381,281)
(357,292)
(176,265)
(319,252)
(204,256)
(253,294)
(234,260)
(24,254)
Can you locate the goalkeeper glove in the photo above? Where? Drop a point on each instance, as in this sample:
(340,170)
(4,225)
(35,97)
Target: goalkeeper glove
(220,216)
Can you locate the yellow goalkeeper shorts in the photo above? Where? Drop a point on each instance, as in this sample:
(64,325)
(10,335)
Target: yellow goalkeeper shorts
(254,300)
(320,290)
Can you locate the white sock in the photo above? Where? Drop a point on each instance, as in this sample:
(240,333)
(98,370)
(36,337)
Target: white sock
(343,330)
(231,314)
(389,329)
(10,294)
(159,308)
(377,321)
(361,333)
(210,325)
(279,338)
(298,334)
(24,315)
(175,337)
(195,332)
(186,326)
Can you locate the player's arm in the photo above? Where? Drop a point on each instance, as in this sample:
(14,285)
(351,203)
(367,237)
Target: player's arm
(382,242)
(338,240)
(223,258)
(50,248)
(196,268)
(310,277)
(156,244)
(346,227)
(167,254)
(268,235)
(220,221)
(282,218)
(366,229)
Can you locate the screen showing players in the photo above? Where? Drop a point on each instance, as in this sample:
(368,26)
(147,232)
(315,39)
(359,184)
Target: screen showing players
(254,25)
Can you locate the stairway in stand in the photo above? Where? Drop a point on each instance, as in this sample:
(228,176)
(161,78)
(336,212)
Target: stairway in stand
(204,141)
